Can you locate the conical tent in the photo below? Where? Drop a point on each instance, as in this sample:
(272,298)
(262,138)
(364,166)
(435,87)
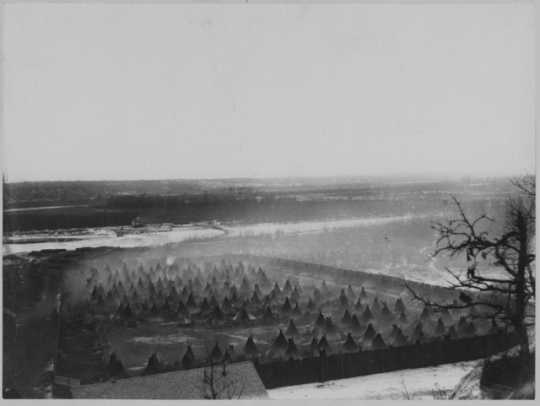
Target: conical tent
(385,312)
(378,343)
(369,333)
(320,321)
(363,293)
(217,313)
(452,333)
(470,328)
(323,344)
(494,329)
(418,333)
(399,338)
(265,281)
(358,304)
(295,295)
(346,317)
(314,346)
(226,303)
(234,294)
(310,304)
(245,286)
(286,307)
(394,330)
(205,305)
(376,306)
(355,323)
(426,313)
(287,288)
(191,301)
(317,295)
(291,329)
(280,341)
(329,325)
(189,358)
(399,306)
(268,315)
(227,357)
(243,316)
(127,312)
(292,350)
(250,347)
(350,344)
(403,317)
(94,293)
(154,364)
(115,368)
(268,299)
(216,354)
(343,301)
(440,328)
(296,309)
(367,315)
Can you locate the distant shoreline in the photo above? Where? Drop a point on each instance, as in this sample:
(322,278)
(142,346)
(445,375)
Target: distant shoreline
(37,208)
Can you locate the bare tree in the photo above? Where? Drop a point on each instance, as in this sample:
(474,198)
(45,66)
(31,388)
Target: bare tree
(505,295)
(218,383)
(209,382)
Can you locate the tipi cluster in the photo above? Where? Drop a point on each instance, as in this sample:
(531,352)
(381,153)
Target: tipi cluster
(280,314)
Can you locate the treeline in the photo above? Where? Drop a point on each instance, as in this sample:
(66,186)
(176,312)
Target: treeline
(29,194)
(70,217)
(222,207)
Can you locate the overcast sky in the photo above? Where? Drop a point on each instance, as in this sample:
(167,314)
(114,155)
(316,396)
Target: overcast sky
(187,91)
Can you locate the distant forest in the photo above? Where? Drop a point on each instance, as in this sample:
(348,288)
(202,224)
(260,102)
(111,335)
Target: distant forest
(31,194)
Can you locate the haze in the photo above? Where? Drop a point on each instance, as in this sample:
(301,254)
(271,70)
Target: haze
(139,91)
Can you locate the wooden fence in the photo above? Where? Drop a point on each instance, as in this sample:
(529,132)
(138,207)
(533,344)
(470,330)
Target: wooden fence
(347,365)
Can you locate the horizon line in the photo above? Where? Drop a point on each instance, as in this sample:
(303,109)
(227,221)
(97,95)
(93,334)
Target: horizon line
(438,176)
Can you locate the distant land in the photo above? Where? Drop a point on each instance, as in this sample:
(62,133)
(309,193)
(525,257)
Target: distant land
(76,204)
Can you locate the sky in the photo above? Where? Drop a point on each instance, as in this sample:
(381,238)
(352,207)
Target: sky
(142,91)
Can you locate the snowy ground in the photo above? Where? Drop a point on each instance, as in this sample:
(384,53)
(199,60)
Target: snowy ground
(157,235)
(105,237)
(422,383)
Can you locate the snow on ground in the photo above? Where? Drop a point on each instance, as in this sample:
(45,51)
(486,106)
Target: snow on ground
(421,383)
(156,235)
(250,230)
(128,240)
(40,208)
